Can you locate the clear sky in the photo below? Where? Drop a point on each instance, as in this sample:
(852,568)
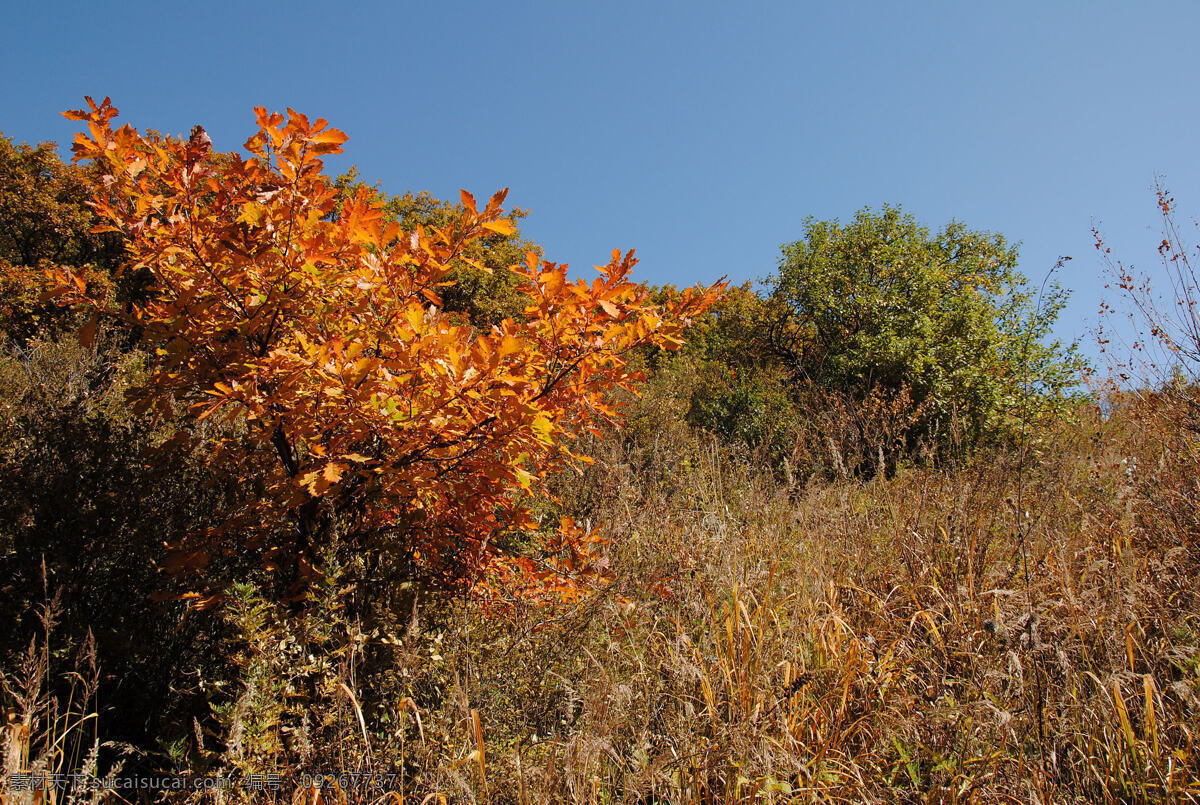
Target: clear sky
(700,133)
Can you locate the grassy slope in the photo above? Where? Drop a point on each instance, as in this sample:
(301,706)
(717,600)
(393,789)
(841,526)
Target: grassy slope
(1022,628)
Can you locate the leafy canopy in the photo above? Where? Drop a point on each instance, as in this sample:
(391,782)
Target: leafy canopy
(480,287)
(44,222)
(882,305)
(311,326)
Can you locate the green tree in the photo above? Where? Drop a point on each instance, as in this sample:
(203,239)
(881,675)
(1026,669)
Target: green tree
(739,390)
(45,222)
(882,306)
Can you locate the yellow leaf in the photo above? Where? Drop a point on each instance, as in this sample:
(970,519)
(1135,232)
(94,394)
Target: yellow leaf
(252,213)
(415,315)
(543,427)
(509,345)
(502,227)
(524,478)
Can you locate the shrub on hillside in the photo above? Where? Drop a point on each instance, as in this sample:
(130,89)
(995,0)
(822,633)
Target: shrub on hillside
(876,342)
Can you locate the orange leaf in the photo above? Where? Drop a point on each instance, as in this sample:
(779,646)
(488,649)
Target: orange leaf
(87,334)
(332,136)
(508,345)
(504,226)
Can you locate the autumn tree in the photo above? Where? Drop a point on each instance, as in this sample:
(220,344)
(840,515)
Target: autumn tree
(308,331)
(44,222)
(480,286)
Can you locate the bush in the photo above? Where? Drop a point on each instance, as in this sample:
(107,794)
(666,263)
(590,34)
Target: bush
(309,328)
(882,306)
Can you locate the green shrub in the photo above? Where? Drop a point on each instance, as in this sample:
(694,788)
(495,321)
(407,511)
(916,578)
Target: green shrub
(880,304)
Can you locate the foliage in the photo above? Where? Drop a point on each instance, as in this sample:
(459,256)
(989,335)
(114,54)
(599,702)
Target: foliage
(874,343)
(73,456)
(881,304)
(314,331)
(44,222)
(752,407)
(847,641)
(731,331)
(726,381)
(480,285)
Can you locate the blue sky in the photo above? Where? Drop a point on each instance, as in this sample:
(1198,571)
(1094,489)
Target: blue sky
(702,134)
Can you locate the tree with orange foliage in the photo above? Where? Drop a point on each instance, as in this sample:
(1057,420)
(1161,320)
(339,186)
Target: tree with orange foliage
(314,335)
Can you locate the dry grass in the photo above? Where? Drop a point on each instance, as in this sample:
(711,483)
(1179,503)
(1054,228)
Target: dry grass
(1013,630)
(1021,628)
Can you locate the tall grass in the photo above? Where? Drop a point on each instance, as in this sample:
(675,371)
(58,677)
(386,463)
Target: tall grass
(1021,627)
(848,641)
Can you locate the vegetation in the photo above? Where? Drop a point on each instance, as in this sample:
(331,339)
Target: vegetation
(881,305)
(301,479)
(934,341)
(307,326)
